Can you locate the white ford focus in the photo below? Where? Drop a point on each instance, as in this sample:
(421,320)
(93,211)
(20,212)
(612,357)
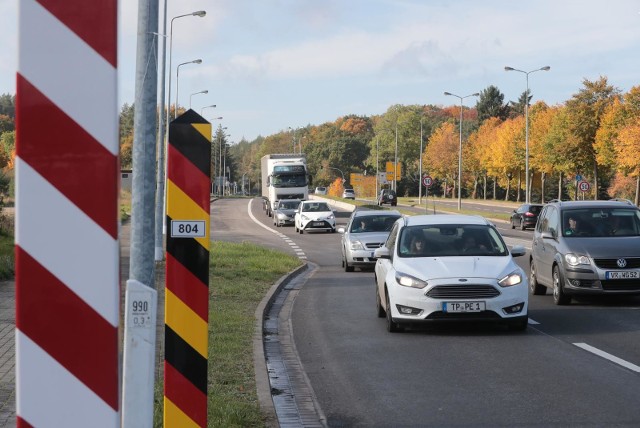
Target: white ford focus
(449,268)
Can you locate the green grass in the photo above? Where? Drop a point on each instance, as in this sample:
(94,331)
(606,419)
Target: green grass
(7,257)
(240,276)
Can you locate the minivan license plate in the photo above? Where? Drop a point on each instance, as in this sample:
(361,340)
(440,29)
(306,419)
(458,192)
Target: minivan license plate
(622,274)
(463,306)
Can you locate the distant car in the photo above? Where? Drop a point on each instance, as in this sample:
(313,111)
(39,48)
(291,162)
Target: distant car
(285,212)
(314,215)
(366,231)
(586,248)
(525,216)
(320,191)
(425,272)
(349,194)
(388,196)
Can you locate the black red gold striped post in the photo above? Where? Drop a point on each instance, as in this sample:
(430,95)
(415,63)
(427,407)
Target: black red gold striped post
(187,272)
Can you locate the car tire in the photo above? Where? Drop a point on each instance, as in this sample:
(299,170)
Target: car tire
(560,298)
(348,268)
(519,325)
(379,308)
(513,226)
(392,326)
(522,227)
(535,287)
(301,231)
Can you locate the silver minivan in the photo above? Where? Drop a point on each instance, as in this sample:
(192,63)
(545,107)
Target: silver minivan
(586,248)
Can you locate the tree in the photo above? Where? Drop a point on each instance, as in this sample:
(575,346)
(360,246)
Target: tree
(586,109)
(8,105)
(518,107)
(491,104)
(442,152)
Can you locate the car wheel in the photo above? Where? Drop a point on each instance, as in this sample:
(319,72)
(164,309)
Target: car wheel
(381,311)
(522,224)
(519,325)
(535,287)
(513,226)
(348,268)
(559,296)
(301,231)
(392,326)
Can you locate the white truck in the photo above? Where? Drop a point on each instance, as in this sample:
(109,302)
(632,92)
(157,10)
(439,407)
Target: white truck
(284,176)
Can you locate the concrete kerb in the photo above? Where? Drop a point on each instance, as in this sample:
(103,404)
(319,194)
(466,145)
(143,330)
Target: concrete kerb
(263,385)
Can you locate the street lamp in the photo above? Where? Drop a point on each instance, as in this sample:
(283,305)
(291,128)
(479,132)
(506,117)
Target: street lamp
(202,109)
(206,91)
(526,119)
(460,154)
(195,61)
(161,174)
(341,173)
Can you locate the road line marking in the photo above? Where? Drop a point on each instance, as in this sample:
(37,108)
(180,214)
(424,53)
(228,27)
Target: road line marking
(280,234)
(608,356)
(532,322)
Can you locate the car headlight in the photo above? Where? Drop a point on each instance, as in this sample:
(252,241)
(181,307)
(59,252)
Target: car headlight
(330,217)
(282,216)
(514,278)
(410,281)
(576,259)
(356,245)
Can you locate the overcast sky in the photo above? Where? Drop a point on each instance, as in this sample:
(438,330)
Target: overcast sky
(273,64)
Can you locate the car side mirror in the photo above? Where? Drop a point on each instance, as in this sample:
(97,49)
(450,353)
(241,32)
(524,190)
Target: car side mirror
(381,253)
(548,235)
(518,250)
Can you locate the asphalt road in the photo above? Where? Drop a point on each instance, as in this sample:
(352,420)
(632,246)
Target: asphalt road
(574,366)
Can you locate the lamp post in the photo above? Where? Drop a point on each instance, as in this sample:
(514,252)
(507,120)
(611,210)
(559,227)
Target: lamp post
(203,108)
(460,153)
(526,120)
(206,91)
(293,139)
(195,61)
(420,168)
(164,129)
(377,167)
(341,173)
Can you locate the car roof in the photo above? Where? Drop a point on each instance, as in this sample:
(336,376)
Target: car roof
(594,204)
(371,213)
(426,220)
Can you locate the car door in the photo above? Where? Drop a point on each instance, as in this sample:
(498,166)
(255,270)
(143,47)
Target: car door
(384,266)
(543,249)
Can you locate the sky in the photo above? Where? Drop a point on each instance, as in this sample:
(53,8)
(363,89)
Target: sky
(271,65)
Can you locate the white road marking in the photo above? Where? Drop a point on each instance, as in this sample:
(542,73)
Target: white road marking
(608,356)
(532,322)
(288,240)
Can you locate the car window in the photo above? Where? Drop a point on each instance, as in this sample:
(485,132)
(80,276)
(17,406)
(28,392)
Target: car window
(451,240)
(535,209)
(600,222)
(382,223)
(391,239)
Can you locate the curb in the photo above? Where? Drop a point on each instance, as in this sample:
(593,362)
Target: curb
(263,385)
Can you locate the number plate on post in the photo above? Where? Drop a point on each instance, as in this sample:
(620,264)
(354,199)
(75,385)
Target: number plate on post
(188,229)
(463,306)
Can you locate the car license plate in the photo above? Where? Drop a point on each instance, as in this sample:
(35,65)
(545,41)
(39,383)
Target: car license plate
(463,306)
(318,223)
(621,274)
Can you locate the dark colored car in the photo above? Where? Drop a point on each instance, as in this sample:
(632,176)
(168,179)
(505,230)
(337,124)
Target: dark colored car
(388,196)
(526,216)
(586,248)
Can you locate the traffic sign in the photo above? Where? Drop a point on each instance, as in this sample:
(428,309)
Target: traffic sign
(427,180)
(578,177)
(584,186)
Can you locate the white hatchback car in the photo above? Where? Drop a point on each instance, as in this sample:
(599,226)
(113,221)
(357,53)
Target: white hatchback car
(449,268)
(314,215)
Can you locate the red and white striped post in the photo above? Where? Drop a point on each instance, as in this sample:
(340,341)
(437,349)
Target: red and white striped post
(67,252)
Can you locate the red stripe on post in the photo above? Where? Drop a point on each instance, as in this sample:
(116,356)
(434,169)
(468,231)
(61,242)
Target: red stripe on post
(95,22)
(68,329)
(187,287)
(184,174)
(185,396)
(67,157)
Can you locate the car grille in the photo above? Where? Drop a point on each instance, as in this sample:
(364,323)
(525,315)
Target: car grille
(621,285)
(467,291)
(632,263)
(374,245)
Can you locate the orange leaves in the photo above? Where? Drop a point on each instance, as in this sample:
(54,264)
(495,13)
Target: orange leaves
(336,188)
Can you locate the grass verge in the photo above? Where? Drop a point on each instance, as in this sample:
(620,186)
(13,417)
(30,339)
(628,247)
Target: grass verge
(240,276)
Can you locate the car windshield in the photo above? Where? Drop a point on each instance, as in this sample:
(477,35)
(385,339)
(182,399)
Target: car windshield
(317,206)
(600,222)
(289,205)
(379,223)
(446,240)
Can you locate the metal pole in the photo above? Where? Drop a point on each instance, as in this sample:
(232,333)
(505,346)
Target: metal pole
(420,168)
(377,166)
(159,220)
(526,143)
(460,162)
(395,165)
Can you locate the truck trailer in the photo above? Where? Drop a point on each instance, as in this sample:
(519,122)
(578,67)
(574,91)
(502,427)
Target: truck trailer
(284,176)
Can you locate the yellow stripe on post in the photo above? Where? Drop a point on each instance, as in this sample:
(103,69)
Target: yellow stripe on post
(184,207)
(186,323)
